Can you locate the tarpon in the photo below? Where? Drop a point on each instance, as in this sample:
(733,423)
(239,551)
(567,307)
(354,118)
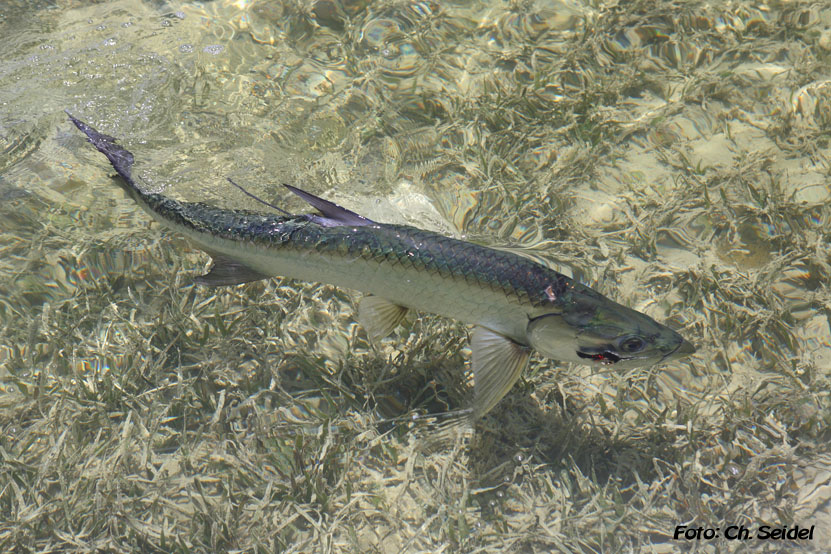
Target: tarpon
(516,305)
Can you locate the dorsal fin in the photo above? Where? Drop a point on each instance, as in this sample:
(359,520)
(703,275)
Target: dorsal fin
(331,212)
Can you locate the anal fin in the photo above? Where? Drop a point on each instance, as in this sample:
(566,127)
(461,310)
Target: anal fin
(226,271)
(379,317)
(497,362)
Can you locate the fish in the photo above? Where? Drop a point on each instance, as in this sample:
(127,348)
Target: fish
(515,305)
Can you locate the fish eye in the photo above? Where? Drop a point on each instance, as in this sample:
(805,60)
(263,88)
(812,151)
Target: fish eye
(632,344)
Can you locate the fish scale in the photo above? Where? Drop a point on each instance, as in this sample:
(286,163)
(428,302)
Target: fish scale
(518,279)
(378,260)
(514,303)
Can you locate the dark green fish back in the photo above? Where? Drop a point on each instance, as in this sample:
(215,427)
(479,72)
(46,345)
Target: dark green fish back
(390,245)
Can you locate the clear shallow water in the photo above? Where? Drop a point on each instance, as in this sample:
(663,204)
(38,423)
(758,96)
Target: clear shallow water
(674,157)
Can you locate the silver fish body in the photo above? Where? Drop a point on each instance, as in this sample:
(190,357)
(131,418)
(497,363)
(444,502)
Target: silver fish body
(514,303)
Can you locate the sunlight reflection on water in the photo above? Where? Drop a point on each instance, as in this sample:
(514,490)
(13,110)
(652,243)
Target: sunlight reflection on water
(444,98)
(674,157)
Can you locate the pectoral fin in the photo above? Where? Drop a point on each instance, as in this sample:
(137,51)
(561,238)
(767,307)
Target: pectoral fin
(379,317)
(497,362)
(226,271)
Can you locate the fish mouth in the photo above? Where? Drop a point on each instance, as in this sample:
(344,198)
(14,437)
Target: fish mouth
(604,357)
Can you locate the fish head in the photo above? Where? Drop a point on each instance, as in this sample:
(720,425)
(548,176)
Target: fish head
(588,328)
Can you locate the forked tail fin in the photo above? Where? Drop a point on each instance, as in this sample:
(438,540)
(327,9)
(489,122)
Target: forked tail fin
(121,159)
